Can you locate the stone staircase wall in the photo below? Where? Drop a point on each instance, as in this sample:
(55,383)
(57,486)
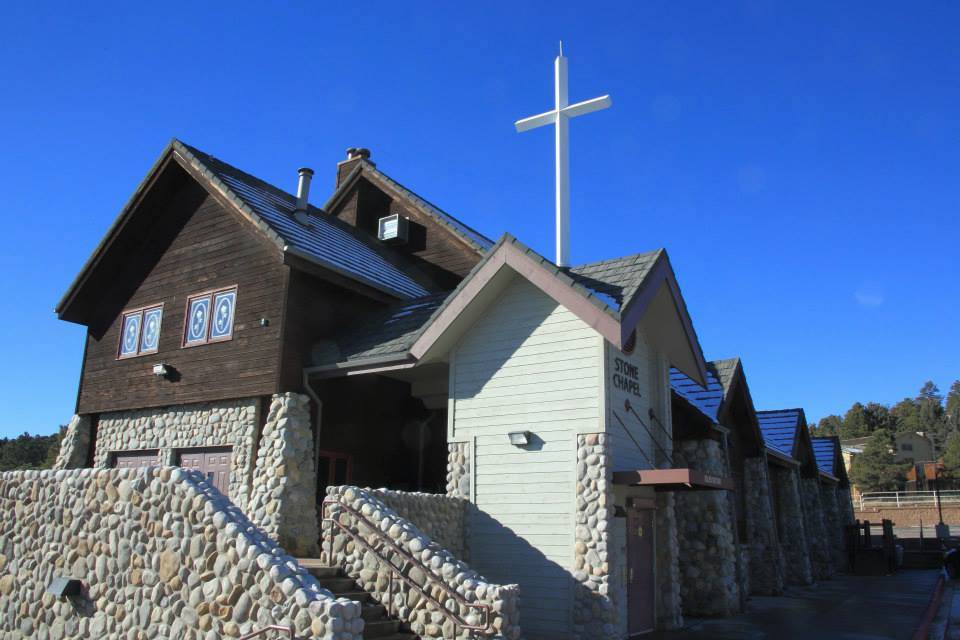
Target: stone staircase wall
(443,565)
(161,554)
(439,517)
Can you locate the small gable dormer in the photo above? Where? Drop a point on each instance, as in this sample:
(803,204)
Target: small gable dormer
(438,242)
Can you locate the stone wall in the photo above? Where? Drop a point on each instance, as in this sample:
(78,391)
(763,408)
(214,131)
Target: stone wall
(284,495)
(230,423)
(791,527)
(846,506)
(440,518)
(834,529)
(594,615)
(820,561)
(75,446)
(669,610)
(365,561)
(458,470)
(708,553)
(161,554)
(766,560)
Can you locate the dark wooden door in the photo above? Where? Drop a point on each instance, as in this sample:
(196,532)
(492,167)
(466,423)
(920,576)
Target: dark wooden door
(640,571)
(334,468)
(134,459)
(213,462)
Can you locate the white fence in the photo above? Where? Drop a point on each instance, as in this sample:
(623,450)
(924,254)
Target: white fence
(898,499)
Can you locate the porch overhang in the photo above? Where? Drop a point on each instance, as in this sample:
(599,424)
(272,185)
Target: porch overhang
(672,480)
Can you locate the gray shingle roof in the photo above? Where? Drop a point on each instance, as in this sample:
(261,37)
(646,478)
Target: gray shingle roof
(324,239)
(724,370)
(615,281)
(383,334)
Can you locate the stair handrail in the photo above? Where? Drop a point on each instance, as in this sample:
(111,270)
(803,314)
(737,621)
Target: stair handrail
(427,572)
(271,627)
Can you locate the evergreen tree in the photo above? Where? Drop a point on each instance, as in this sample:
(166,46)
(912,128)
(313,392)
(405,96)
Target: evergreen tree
(875,469)
(907,415)
(829,426)
(930,412)
(855,422)
(951,456)
(952,413)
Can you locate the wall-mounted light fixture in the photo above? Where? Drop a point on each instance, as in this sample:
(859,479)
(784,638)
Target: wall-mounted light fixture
(65,587)
(161,370)
(519,438)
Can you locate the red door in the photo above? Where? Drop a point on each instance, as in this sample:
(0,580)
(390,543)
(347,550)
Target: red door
(212,462)
(640,571)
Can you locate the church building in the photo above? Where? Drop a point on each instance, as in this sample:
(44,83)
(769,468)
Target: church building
(562,419)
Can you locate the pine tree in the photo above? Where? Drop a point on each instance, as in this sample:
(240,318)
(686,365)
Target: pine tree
(951,456)
(829,426)
(875,469)
(952,413)
(855,422)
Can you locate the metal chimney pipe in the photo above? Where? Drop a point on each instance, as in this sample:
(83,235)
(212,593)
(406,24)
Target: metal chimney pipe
(303,188)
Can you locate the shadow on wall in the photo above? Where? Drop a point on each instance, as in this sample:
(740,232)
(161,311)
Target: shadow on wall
(544,611)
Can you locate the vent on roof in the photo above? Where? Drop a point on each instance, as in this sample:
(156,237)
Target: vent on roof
(394,229)
(303,195)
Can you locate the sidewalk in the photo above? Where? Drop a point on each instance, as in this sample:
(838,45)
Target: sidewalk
(844,608)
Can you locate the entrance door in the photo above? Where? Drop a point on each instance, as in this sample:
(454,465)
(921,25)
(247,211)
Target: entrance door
(213,462)
(134,459)
(333,469)
(640,571)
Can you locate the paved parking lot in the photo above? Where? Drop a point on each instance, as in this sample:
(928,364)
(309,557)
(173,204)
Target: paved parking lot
(844,608)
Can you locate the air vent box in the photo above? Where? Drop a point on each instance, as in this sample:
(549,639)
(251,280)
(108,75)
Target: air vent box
(394,229)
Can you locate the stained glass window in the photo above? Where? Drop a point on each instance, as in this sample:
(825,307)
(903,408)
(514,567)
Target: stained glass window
(130,334)
(210,317)
(150,337)
(198,320)
(223,305)
(140,332)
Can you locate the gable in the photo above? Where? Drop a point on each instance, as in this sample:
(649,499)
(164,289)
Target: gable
(207,251)
(437,239)
(654,308)
(323,242)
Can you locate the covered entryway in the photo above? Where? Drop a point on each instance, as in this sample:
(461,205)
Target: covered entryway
(135,459)
(213,462)
(640,571)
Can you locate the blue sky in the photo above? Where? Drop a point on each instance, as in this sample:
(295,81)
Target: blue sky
(799,163)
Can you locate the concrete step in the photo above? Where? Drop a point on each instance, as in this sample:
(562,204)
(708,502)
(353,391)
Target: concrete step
(372,611)
(358,596)
(380,628)
(338,584)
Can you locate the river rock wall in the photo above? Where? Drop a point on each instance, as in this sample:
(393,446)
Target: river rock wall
(708,553)
(161,554)
(364,555)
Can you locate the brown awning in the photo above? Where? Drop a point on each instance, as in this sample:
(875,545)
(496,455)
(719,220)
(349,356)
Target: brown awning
(672,479)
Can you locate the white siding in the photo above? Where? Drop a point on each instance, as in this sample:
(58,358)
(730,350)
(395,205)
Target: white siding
(528,364)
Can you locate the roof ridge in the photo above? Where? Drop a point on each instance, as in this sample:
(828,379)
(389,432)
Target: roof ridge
(617,259)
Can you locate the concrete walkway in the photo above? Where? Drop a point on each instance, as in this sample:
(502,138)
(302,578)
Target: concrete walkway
(844,608)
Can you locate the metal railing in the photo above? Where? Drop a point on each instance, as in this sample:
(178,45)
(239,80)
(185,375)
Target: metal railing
(332,524)
(273,627)
(900,499)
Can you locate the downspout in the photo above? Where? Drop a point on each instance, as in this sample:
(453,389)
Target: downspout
(316,431)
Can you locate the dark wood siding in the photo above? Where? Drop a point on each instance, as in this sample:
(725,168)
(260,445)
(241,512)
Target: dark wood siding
(195,245)
(430,242)
(315,309)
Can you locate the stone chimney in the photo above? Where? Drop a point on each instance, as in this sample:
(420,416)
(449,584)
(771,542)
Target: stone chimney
(355,155)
